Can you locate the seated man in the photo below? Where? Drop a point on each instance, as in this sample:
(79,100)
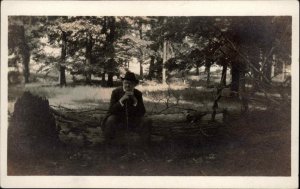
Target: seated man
(127,110)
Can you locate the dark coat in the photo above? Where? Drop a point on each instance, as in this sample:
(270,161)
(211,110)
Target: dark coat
(115,108)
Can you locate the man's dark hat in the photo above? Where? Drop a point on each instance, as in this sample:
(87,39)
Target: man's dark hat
(129,76)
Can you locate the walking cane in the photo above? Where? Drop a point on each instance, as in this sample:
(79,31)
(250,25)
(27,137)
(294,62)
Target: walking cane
(127,127)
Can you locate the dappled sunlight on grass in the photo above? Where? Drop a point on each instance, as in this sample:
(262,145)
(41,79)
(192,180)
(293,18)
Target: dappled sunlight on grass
(46,92)
(159,87)
(187,94)
(74,96)
(158,97)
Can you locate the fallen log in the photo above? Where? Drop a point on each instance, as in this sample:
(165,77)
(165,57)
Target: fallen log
(189,117)
(187,124)
(94,120)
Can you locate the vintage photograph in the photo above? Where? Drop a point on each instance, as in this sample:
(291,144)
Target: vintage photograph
(149,95)
(208,96)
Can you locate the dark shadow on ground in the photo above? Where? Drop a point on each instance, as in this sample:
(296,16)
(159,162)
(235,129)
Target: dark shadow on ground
(254,145)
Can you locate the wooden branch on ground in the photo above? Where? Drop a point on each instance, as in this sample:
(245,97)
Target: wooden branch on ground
(79,111)
(67,117)
(62,115)
(170,125)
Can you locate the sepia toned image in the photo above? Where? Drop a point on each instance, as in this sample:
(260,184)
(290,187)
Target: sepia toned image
(216,89)
(117,95)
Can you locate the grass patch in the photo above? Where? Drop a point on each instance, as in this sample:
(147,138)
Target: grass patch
(157,96)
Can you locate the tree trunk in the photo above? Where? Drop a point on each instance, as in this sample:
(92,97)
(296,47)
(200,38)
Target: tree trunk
(88,78)
(151,68)
(110,79)
(268,69)
(103,81)
(208,74)
(141,69)
(260,64)
(256,76)
(164,62)
(110,50)
(62,68)
(224,74)
(112,28)
(142,55)
(243,92)
(197,69)
(88,56)
(273,65)
(235,78)
(283,71)
(62,75)
(219,91)
(25,53)
(26,70)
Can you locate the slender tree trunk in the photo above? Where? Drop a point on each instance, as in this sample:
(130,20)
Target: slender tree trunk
(142,55)
(104,31)
(283,71)
(88,56)
(62,68)
(235,78)
(219,91)
(111,37)
(260,64)
(151,68)
(164,62)
(243,93)
(112,28)
(88,78)
(256,76)
(141,69)
(224,74)
(25,53)
(62,75)
(208,74)
(110,79)
(268,69)
(103,81)
(197,69)
(273,66)
(26,70)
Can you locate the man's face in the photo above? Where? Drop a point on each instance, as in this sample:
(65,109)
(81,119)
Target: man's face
(128,85)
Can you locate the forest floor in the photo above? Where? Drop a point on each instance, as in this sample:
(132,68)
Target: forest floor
(255,144)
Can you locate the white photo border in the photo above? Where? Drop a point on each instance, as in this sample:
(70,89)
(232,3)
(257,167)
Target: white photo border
(152,8)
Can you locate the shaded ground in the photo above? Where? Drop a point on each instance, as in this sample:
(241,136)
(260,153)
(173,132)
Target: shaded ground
(254,145)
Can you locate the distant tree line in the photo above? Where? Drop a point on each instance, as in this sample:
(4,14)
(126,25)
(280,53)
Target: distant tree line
(99,46)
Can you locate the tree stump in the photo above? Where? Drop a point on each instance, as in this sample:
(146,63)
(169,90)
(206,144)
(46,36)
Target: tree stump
(32,129)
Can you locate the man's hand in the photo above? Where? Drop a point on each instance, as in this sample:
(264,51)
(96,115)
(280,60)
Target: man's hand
(123,98)
(131,96)
(135,101)
(128,95)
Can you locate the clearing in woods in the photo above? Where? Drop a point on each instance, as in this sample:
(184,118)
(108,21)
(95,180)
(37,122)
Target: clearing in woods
(255,144)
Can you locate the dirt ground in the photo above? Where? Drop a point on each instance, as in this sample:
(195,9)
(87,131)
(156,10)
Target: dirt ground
(256,144)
